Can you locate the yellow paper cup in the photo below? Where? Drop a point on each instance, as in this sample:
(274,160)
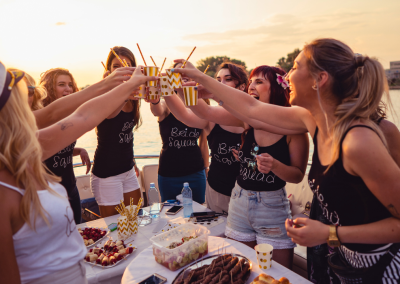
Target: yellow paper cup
(264,256)
(142,92)
(124,230)
(133,226)
(190,94)
(165,87)
(154,93)
(151,71)
(174,79)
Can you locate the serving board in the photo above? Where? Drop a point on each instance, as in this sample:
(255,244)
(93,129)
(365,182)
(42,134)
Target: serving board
(115,264)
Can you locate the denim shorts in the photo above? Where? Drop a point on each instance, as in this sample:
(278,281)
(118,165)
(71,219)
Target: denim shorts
(261,216)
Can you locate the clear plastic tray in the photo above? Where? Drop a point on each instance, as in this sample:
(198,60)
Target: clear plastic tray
(188,252)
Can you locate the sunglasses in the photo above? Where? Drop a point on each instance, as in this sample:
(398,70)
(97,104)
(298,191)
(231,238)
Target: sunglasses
(31,91)
(253,163)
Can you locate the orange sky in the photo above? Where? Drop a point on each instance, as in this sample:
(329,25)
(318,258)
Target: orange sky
(77,35)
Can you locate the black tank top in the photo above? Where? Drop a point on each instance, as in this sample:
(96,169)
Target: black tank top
(224,168)
(60,164)
(344,199)
(180,155)
(114,152)
(250,179)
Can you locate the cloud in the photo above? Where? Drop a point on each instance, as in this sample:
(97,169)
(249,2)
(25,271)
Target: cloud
(60,24)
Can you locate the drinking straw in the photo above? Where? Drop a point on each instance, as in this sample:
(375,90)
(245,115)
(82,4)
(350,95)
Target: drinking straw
(126,64)
(105,68)
(205,71)
(141,54)
(153,61)
(116,55)
(184,63)
(159,74)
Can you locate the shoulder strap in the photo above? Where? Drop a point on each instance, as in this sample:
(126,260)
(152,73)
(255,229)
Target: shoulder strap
(347,131)
(12,187)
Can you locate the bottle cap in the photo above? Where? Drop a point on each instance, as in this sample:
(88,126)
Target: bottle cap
(152,184)
(186,184)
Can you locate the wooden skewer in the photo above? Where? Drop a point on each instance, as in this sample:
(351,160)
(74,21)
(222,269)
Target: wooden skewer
(105,68)
(159,73)
(153,61)
(141,55)
(184,63)
(116,55)
(205,71)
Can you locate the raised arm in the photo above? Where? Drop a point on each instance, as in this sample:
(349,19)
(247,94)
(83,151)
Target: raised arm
(63,107)
(184,114)
(86,117)
(293,118)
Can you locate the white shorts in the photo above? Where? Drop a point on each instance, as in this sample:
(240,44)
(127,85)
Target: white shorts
(110,191)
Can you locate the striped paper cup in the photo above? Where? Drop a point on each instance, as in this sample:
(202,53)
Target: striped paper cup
(174,79)
(142,92)
(154,93)
(165,87)
(190,94)
(151,71)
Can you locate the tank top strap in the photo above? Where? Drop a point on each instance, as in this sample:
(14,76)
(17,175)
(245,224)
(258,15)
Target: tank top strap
(347,131)
(12,187)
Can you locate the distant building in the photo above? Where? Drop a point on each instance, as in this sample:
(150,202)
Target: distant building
(394,71)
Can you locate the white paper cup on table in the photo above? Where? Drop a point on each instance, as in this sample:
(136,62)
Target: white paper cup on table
(191,95)
(166,90)
(154,93)
(124,230)
(264,255)
(151,71)
(142,92)
(174,79)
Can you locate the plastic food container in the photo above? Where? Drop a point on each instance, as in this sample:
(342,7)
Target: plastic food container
(184,254)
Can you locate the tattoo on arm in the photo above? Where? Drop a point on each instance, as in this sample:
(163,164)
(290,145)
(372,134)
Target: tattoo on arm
(65,125)
(393,210)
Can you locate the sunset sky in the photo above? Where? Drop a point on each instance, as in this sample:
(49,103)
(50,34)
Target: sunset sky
(77,35)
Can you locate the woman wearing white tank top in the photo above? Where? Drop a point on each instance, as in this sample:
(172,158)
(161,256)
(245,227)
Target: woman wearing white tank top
(38,236)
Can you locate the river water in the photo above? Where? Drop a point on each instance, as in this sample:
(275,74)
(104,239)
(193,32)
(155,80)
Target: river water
(147,140)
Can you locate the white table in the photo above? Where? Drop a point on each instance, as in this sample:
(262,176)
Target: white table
(144,264)
(96,274)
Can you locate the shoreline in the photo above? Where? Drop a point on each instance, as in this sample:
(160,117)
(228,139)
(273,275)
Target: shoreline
(394,87)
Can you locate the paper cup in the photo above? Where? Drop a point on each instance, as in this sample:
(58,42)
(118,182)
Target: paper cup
(190,94)
(124,230)
(142,92)
(165,87)
(174,79)
(133,226)
(154,93)
(264,255)
(151,71)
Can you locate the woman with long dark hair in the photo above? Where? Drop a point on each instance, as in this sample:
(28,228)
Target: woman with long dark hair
(114,173)
(259,205)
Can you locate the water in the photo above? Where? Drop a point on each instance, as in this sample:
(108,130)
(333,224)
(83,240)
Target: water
(187,200)
(154,202)
(147,140)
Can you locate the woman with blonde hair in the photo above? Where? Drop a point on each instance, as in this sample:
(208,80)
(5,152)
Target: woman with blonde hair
(338,93)
(59,82)
(38,233)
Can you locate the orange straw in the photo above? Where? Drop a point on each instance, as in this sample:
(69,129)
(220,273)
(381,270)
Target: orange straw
(159,74)
(116,55)
(126,63)
(205,71)
(153,61)
(141,54)
(184,63)
(105,68)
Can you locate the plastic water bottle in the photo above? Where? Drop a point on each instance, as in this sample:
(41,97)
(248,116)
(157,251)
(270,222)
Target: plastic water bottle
(154,201)
(187,200)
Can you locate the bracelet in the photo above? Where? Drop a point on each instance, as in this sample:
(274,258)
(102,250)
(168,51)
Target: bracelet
(156,102)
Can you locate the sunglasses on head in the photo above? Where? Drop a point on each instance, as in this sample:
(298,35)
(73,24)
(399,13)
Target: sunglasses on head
(253,163)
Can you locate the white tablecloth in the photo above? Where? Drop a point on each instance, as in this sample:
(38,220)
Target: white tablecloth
(96,274)
(144,264)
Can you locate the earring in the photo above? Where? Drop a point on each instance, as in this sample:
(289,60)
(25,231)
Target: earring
(314,87)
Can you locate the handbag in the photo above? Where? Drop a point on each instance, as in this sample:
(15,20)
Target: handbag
(350,275)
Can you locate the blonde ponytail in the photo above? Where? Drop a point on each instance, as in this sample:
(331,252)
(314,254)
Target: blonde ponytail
(358,83)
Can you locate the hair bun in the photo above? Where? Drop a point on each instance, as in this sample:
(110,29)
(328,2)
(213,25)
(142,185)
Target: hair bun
(359,59)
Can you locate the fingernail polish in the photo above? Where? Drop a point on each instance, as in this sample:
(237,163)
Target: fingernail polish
(173,69)
(195,88)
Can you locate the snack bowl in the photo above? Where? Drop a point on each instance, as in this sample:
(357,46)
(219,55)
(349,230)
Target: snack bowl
(187,243)
(88,233)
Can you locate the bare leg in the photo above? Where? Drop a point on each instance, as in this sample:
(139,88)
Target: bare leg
(251,244)
(106,211)
(132,194)
(284,257)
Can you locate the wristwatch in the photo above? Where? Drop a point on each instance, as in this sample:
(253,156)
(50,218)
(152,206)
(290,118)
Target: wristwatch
(333,239)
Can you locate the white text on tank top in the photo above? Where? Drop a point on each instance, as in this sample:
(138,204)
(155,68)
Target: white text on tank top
(333,217)
(126,137)
(247,173)
(224,154)
(175,132)
(63,162)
